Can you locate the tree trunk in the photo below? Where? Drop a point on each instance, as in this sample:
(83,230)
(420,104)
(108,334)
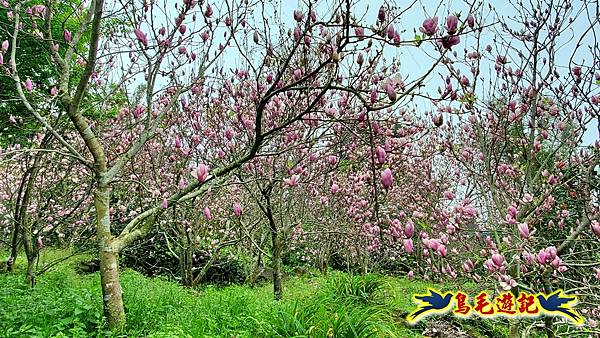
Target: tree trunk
(186,266)
(109,262)
(30,277)
(276,264)
(111,289)
(31,254)
(14,248)
(277,247)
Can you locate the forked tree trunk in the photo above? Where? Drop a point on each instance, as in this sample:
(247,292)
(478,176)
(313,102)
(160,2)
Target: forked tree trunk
(109,262)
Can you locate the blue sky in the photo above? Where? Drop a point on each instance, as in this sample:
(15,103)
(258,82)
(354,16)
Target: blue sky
(416,61)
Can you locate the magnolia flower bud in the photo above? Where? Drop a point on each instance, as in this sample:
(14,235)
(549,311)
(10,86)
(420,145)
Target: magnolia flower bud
(28,85)
(67,35)
(207,214)
(298,15)
(381,14)
(451,24)
(141,36)
(471,20)
(387,178)
(237,209)
(438,120)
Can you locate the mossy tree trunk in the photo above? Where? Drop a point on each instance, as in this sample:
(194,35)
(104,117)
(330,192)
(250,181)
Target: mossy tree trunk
(112,295)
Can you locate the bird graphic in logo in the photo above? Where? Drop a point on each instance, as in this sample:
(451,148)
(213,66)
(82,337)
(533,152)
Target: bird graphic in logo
(558,303)
(435,302)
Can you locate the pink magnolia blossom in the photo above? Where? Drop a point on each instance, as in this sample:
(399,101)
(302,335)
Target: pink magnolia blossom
(433,244)
(527,198)
(409,229)
(387,178)
(237,209)
(297,33)
(429,26)
(442,250)
(298,15)
(498,260)
(451,24)
(389,89)
(542,257)
(297,74)
(141,36)
(595,227)
(523,230)
(391,31)
(471,20)
(448,195)
(209,11)
(597,273)
(5,45)
(202,173)
(28,85)
(53,91)
(360,59)
(67,36)
(334,189)
(450,41)
(408,245)
(359,31)
(381,14)
(205,36)
(292,181)
(380,154)
(207,214)
(512,211)
(489,265)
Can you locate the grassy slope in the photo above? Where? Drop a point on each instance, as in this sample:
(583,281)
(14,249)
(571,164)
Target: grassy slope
(66,304)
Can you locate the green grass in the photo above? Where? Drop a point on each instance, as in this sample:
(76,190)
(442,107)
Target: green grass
(65,304)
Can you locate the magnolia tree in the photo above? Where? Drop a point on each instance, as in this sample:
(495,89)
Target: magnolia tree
(516,141)
(44,200)
(161,76)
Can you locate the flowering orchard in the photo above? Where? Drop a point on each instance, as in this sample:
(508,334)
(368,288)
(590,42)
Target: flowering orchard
(277,135)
